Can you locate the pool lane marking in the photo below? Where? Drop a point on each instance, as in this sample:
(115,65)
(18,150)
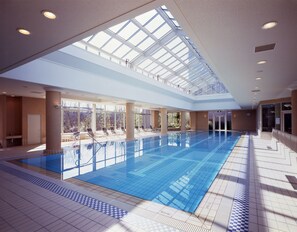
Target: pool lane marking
(141,172)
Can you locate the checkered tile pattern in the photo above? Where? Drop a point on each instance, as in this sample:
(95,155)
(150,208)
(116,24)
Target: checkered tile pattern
(93,203)
(239,220)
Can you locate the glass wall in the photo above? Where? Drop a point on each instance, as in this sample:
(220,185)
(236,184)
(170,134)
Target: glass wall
(70,116)
(173,120)
(188,125)
(142,118)
(85,116)
(77,116)
(268,117)
(219,120)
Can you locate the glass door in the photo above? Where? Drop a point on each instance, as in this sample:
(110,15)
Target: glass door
(217,120)
(287,122)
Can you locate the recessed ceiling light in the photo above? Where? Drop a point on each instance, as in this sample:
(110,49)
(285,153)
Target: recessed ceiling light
(258,78)
(269,25)
(4,92)
(48,14)
(262,62)
(256,87)
(23,31)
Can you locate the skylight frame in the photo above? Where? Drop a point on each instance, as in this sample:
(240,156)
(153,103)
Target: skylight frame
(179,59)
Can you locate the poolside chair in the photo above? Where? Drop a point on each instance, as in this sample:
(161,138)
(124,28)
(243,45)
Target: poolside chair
(105,131)
(123,129)
(90,132)
(112,130)
(76,135)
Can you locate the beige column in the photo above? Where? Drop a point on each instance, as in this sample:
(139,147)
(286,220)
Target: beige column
(2,121)
(156,118)
(193,120)
(294,111)
(53,122)
(93,122)
(152,118)
(164,121)
(130,121)
(183,121)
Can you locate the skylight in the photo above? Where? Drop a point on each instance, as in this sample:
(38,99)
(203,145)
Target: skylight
(154,45)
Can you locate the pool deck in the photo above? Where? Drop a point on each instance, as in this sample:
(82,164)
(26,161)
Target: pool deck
(252,192)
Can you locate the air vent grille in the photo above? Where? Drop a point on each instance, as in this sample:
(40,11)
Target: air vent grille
(266,47)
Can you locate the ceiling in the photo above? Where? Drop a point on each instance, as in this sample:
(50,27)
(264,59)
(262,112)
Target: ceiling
(226,33)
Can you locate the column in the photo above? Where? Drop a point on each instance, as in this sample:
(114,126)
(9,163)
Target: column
(164,121)
(214,121)
(156,119)
(152,118)
(2,121)
(294,111)
(93,122)
(130,121)
(225,120)
(53,122)
(183,121)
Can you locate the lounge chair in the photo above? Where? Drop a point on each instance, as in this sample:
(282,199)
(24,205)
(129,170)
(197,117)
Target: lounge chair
(123,129)
(90,132)
(105,131)
(112,130)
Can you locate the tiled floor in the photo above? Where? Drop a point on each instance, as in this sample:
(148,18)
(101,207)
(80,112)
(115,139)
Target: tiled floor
(254,175)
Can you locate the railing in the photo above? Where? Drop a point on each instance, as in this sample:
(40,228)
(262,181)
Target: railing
(287,139)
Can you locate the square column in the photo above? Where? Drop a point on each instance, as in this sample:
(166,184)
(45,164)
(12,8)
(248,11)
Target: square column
(183,121)
(130,119)
(294,111)
(53,122)
(164,125)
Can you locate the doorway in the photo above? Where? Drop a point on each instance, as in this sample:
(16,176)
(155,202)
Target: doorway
(287,122)
(34,129)
(219,120)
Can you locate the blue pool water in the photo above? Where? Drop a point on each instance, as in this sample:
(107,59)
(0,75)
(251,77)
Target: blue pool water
(175,170)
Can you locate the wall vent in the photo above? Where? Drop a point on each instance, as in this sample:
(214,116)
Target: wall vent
(266,47)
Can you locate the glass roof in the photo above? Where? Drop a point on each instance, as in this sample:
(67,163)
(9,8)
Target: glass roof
(155,45)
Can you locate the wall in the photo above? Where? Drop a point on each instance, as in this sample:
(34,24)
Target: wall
(244,120)
(193,120)
(33,106)
(202,120)
(2,119)
(13,116)
(273,101)
(294,112)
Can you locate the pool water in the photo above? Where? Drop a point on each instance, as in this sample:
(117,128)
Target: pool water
(175,170)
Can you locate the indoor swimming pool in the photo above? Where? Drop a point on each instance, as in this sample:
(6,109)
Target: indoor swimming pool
(175,170)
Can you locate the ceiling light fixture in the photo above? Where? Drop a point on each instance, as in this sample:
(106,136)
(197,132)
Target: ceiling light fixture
(269,25)
(4,92)
(23,31)
(48,14)
(258,78)
(262,62)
